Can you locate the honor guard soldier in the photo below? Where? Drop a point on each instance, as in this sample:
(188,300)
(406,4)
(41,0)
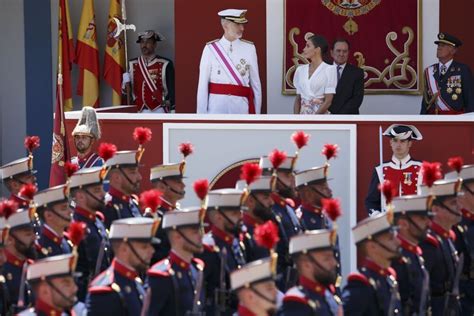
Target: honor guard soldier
(412,216)
(258,210)
(401,170)
(55,214)
(20,172)
(255,287)
(229,82)
(180,273)
(449,85)
(19,250)
(465,236)
(95,253)
(374,291)
(151,76)
(313,254)
(4,300)
(85,134)
(223,251)
(441,257)
(119,289)
(54,289)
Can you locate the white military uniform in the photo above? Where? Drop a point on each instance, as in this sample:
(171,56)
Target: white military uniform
(244,57)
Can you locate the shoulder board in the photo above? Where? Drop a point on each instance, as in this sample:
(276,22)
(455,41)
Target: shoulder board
(392,272)
(357,277)
(295,295)
(100,289)
(245,41)
(100,216)
(213,41)
(135,198)
(160,269)
(199,264)
(452,235)
(210,248)
(106,278)
(290,202)
(432,240)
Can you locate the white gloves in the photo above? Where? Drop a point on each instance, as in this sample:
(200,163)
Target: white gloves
(125,79)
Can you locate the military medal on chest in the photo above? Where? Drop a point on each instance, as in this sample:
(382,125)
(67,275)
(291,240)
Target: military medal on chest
(407,178)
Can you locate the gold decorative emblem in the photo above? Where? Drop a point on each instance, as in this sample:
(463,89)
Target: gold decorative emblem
(449,90)
(454,97)
(407,178)
(441,36)
(58,149)
(458,90)
(350,9)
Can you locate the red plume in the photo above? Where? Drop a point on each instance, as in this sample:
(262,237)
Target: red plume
(107,151)
(330,151)
(76,232)
(266,235)
(431,172)
(388,190)
(28,191)
(142,135)
(151,199)
(201,188)
(250,172)
(300,139)
(70,168)
(277,157)
(31,143)
(186,149)
(456,163)
(7,208)
(332,208)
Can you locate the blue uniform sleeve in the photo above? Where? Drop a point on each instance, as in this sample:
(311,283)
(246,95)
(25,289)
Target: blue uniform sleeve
(356,298)
(160,296)
(372,201)
(105,303)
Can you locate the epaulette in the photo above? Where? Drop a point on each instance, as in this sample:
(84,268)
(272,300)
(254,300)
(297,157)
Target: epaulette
(452,235)
(295,295)
(213,41)
(100,289)
(246,41)
(106,278)
(432,240)
(161,269)
(211,248)
(199,263)
(358,277)
(135,198)
(290,202)
(392,272)
(100,216)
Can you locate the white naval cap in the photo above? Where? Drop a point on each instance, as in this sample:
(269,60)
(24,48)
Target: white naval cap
(17,167)
(311,176)
(287,165)
(124,158)
(21,218)
(134,229)
(403,132)
(52,195)
(87,176)
(412,204)
(234,15)
(193,216)
(50,267)
(312,240)
(466,174)
(262,184)
(226,199)
(251,273)
(171,170)
(371,226)
(442,188)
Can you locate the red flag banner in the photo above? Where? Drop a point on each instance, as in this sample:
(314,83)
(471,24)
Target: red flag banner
(385,38)
(65,51)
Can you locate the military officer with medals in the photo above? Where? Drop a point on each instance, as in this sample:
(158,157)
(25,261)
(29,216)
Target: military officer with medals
(55,214)
(412,216)
(374,290)
(181,274)
(465,237)
(119,290)
(401,170)
(229,81)
(151,77)
(449,85)
(94,252)
(441,258)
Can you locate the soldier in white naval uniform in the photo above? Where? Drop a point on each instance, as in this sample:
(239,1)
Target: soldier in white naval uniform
(229,82)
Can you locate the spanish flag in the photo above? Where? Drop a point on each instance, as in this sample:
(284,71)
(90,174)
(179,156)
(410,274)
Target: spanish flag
(114,61)
(65,51)
(88,56)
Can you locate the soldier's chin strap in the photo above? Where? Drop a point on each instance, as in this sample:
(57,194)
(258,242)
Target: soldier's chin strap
(316,263)
(319,192)
(259,294)
(136,254)
(236,225)
(467,188)
(450,210)
(101,202)
(19,241)
(180,193)
(415,224)
(72,301)
(21,181)
(64,218)
(286,187)
(262,207)
(385,247)
(187,239)
(126,177)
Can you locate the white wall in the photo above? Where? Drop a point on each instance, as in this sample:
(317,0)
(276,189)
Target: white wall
(277,103)
(157,15)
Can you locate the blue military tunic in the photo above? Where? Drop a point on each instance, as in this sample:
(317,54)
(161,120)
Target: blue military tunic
(310,298)
(12,271)
(116,291)
(91,160)
(440,261)
(95,241)
(180,279)
(373,291)
(50,243)
(312,217)
(465,245)
(119,206)
(413,279)
(253,251)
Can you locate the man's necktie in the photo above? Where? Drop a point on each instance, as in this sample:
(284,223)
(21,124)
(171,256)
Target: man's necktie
(338,73)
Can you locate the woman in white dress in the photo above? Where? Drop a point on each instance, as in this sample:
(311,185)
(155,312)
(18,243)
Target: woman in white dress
(315,82)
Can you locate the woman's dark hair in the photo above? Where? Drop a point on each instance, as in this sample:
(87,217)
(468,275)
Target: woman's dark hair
(322,43)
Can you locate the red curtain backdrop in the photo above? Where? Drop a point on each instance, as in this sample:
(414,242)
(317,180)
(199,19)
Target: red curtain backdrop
(391,64)
(196,23)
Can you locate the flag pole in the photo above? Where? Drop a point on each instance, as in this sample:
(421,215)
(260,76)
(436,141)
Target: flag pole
(124,19)
(382,204)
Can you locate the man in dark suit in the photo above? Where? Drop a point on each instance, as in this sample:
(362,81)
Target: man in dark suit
(449,85)
(350,81)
